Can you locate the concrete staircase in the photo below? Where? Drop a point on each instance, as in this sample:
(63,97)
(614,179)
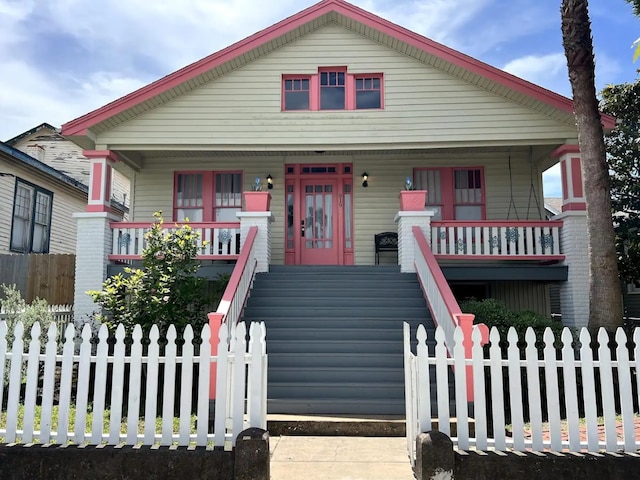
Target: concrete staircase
(334,337)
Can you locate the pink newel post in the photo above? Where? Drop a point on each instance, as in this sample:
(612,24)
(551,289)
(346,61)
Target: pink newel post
(465,321)
(215,322)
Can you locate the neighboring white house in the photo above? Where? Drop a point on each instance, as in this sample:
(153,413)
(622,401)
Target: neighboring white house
(339,106)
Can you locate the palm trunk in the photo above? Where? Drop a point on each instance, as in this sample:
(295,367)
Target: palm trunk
(605,305)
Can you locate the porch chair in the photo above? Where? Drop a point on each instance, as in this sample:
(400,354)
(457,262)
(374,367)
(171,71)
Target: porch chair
(385,242)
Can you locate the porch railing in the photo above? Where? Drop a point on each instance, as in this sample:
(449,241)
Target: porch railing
(522,240)
(218,240)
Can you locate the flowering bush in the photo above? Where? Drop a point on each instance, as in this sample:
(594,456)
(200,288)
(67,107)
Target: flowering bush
(164,291)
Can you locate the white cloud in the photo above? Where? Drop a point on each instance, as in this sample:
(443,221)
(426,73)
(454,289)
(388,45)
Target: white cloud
(549,71)
(552,182)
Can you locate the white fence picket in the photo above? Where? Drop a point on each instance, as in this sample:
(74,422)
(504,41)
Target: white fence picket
(460,381)
(48,384)
(423,383)
(497,389)
(84,373)
(238,381)
(151,392)
(606,380)
(570,390)
(551,382)
(204,379)
(33,364)
(100,386)
(533,389)
(442,382)
(117,386)
(135,377)
(66,378)
(626,392)
(186,382)
(168,391)
(589,391)
(15,375)
(515,390)
(222,389)
(480,404)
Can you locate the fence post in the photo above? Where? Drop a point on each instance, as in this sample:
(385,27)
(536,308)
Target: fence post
(435,459)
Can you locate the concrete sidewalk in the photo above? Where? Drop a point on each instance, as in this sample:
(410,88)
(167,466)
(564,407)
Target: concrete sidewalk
(339,458)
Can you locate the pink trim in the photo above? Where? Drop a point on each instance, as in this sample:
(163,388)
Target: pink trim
(564,149)
(438,276)
(498,223)
(194,225)
(215,322)
(79,125)
(464,320)
(96,181)
(98,208)
(565,183)
(199,257)
(500,257)
(576,177)
(108,154)
(241,265)
(574,207)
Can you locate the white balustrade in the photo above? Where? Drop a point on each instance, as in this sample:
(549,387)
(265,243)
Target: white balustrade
(519,240)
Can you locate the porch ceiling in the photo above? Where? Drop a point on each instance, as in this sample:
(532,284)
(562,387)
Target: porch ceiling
(539,153)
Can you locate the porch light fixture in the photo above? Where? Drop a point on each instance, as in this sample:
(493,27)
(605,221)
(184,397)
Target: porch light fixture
(269,182)
(365,179)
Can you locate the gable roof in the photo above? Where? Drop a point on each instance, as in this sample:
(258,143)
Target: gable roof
(28,160)
(42,126)
(292,27)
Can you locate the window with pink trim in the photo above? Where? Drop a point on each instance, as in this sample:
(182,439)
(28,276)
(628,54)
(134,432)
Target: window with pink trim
(453,193)
(332,88)
(207,196)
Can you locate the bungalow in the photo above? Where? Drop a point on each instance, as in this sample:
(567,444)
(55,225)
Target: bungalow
(336,110)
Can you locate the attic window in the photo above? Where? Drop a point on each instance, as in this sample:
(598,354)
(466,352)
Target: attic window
(332,88)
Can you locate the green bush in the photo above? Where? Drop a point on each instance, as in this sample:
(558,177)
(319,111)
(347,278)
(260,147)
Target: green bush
(494,313)
(164,291)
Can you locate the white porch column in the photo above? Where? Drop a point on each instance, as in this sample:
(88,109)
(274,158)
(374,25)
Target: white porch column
(262,220)
(406,220)
(574,293)
(93,246)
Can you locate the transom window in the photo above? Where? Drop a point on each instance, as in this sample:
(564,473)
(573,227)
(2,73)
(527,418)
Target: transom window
(31,223)
(453,193)
(332,88)
(207,196)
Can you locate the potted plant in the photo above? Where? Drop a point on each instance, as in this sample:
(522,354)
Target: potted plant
(257,200)
(411,199)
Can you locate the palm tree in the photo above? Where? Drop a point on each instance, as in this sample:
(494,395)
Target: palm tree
(605,299)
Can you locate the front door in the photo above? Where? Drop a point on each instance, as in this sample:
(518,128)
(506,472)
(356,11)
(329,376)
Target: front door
(318,224)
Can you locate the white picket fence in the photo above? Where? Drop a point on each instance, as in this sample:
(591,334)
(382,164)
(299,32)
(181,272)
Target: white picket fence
(240,367)
(573,399)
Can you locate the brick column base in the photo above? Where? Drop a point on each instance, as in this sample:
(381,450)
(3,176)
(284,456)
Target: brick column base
(262,220)
(93,246)
(406,243)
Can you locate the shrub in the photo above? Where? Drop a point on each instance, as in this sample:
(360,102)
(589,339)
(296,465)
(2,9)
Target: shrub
(164,291)
(494,313)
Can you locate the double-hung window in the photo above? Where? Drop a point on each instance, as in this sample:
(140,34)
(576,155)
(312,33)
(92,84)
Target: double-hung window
(31,223)
(332,88)
(453,193)
(207,196)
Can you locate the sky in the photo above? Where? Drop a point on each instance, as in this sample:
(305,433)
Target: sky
(61,59)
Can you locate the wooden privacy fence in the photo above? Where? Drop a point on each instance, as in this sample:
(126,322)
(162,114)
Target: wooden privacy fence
(132,392)
(531,395)
(46,276)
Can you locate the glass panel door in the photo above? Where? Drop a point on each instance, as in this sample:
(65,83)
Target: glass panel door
(318,222)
